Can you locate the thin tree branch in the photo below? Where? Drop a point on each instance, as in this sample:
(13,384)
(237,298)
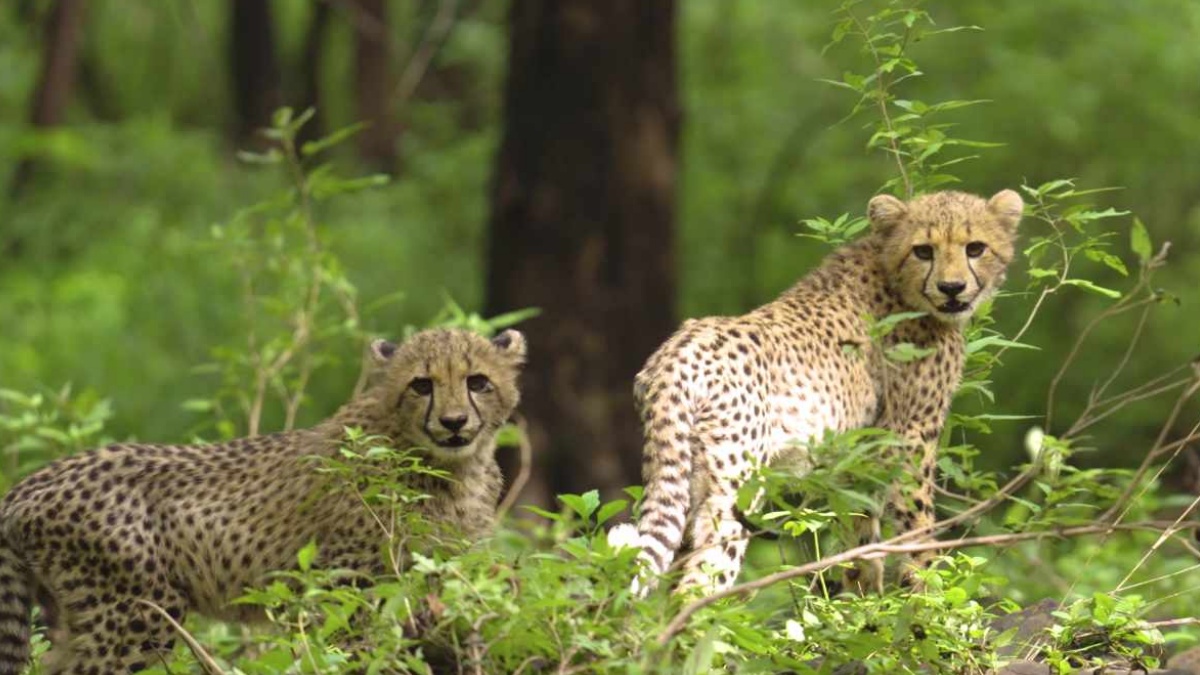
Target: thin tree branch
(890,547)
(206,661)
(525,468)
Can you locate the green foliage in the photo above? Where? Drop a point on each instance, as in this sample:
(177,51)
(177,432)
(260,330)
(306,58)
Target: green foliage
(1091,630)
(908,130)
(38,428)
(298,304)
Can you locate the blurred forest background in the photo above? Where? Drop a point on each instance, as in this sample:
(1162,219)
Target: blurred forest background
(620,165)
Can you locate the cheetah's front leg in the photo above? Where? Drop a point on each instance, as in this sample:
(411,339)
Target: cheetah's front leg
(915,511)
(906,509)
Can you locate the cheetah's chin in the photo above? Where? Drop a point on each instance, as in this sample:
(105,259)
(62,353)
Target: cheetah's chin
(453,443)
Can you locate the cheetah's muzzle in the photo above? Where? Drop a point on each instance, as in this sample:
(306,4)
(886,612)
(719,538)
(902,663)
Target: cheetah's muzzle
(954,306)
(454,441)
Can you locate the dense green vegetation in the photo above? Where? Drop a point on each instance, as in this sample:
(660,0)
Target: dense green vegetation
(1101,93)
(126,258)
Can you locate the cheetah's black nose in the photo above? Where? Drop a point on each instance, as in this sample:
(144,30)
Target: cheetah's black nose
(453,423)
(951,288)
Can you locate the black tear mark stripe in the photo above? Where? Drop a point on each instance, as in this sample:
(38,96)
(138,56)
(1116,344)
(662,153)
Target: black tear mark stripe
(471,400)
(978,282)
(429,408)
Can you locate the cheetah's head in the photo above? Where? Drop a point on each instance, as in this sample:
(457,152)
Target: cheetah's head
(450,389)
(946,253)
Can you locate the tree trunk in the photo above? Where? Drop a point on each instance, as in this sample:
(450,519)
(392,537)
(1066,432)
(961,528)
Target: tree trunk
(310,71)
(582,225)
(373,85)
(56,81)
(257,90)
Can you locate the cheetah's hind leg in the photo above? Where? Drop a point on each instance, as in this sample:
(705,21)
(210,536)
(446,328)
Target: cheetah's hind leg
(719,541)
(108,632)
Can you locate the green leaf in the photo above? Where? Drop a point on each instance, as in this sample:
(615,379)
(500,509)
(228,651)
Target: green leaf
(955,596)
(17,397)
(907,351)
(1080,217)
(585,504)
(53,435)
(509,436)
(328,187)
(1049,188)
(1085,284)
(1108,259)
(512,318)
(1139,241)
(996,341)
(888,323)
(549,515)
(1104,605)
(1040,273)
(609,510)
(306,555)
(282,117)
(313,147)
(272,156)
(198,405)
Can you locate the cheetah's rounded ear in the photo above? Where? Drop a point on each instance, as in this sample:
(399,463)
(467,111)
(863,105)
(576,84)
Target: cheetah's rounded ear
(885,211)
(382,351)
(1007,207)
(512,342)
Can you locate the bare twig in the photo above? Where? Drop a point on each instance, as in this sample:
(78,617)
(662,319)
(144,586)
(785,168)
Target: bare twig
(1166,534)
(476,649)
(525,457)
(1156,451)
(1088,418)
(206,661)
(1133,342)
(1123,305)
(414,71)
(1167,623)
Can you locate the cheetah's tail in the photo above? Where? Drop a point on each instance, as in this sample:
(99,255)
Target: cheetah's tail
(667,472)
(16,604)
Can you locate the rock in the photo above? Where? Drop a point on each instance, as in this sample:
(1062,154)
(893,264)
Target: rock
(1031,624)
(1186,662)
(1025,668)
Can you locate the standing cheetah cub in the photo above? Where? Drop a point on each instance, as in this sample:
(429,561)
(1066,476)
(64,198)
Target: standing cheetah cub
(190,527)
(726,394)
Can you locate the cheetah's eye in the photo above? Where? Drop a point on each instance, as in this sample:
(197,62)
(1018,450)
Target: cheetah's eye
(479,384)
(422,386)
(976,249)
(923,251)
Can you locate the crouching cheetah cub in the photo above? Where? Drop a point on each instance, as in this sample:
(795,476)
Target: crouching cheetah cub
(726,394)
(190,527)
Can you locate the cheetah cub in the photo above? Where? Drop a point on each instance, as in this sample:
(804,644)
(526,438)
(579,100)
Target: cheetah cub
(189,527)
(726,394)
